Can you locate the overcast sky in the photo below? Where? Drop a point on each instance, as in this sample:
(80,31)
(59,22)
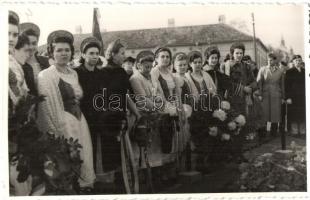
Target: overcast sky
(272,21)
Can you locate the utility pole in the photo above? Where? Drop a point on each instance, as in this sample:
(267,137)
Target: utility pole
(254,38)
(28,14)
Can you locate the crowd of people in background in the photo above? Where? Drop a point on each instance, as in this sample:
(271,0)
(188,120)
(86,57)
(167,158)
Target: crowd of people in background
(114,104)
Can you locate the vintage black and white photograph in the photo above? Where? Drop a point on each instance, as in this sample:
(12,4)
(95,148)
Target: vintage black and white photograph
(156,99)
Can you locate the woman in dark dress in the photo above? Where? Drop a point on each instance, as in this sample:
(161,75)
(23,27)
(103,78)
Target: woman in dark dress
(242,77)
(88,72)
(243,85)
(114,85)
(212,66)
(181,66)
(171,130)
(35,63)
(202,86)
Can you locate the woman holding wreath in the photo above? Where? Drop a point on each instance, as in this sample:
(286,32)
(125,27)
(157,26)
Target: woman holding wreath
(60,113)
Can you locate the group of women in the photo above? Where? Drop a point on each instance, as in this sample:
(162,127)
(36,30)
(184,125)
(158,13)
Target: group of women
(116,104)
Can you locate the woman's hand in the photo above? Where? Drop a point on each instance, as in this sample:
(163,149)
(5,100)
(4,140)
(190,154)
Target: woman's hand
(138,116)
(247,90)
(289,101)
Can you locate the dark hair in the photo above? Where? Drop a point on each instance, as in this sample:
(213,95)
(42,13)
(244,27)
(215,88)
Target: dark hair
(179,56)
(163,49)
(113,48)
(283,63)
(22,41)
(272,55)
(130,59)
(82,61)
(30,32)
(90,45)
(50,48)
(13,20)
(144,56)
(296,56)
(237,45)
(227,57)
(194,55)
(210,51)
(246,58)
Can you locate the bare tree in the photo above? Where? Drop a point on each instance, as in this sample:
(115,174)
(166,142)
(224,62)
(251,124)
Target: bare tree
(240,25)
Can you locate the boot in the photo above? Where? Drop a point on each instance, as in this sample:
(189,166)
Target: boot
(274,129)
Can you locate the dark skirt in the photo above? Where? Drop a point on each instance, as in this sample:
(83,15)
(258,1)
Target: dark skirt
(110,126)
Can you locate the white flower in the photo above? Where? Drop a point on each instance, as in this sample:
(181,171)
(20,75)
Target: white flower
(267,155)
(232,126)
(251,136)
(258,164)
(240,120)
(170,109)
(226,137)
(225,105)
(213,131)
(220,114)
(48,168)
(187,110)
(290,168)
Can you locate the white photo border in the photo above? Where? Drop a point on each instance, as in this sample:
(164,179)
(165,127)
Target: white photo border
(4,175)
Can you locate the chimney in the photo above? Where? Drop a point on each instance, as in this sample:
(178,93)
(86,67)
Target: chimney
(222,19)
(171,23)
(78,29)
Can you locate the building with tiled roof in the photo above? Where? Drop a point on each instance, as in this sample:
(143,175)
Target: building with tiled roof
(185,39)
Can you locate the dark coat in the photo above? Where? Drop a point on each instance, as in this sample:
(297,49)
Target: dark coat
(29,76)
(89,83)
(222,82)
(295,90)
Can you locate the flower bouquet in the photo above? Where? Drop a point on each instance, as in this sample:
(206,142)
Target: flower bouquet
(40,163)
(216,133)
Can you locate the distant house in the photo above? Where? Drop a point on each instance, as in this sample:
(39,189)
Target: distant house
(184,39)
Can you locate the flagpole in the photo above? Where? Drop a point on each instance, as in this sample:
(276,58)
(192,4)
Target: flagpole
(96,29)
(254,38)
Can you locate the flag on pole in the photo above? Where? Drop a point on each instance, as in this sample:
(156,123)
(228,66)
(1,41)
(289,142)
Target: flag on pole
(96,29)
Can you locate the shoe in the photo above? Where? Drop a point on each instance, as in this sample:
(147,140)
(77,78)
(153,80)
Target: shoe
(294,135)
(86,190)
(242,159)
(302,136)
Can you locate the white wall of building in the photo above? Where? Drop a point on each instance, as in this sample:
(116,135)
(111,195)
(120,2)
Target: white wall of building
(223,47)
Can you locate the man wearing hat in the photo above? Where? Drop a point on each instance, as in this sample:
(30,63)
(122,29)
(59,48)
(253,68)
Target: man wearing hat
(88,79)
(35,63)
(295,96)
